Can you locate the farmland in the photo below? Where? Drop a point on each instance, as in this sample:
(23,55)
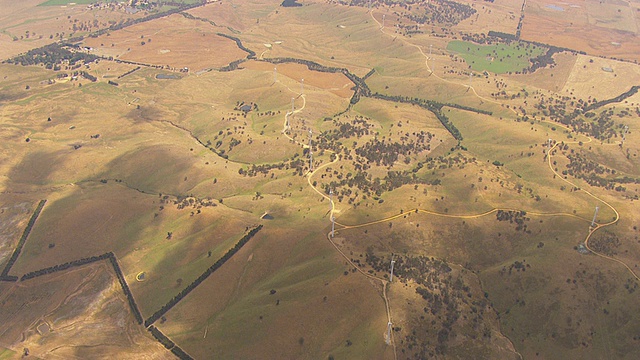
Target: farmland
(203,181)
(498,59)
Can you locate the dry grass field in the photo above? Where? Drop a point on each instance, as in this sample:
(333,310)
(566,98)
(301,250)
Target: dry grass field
(498,15)
(14,218)
(603,28)
(24,25)
(589,79)
(451,177)
(174,41)
(90,319)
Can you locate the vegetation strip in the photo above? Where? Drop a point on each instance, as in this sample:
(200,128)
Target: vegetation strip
(167,343)
(634,90)
(436,108)
(162,338)
(65,266)
(252,54)
(125,287)
(5,273)
(153,318)
(360,89)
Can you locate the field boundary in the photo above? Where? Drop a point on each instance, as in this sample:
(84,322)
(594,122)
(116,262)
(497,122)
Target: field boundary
(23,239)
(112,260)
(176,299)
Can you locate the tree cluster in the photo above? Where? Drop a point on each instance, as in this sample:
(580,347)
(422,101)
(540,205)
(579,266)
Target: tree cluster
(451,308)
(290,3)
(87,76)
(595,174)
(517,217)
(52,56)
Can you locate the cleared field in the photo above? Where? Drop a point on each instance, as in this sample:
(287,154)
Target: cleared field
(307,278)
(585,26)
(498,59)
(552,79)
(14,218)
(589,79)
(498,15)
(24,25)
(79,313)
(174,41)
(335,83)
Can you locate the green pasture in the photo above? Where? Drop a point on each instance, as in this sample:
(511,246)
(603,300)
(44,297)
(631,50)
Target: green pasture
(499,58)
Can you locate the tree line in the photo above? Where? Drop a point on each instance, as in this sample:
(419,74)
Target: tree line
(361,88)
(435,107)
(129,72)
(5,272)
(252,54)
(176,299)
(65,266)
(167,343)
(128,22)
(634,90)
(125,287)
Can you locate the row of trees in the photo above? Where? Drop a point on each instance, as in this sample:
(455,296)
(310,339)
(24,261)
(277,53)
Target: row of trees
(167,343)
(125,287)
(627,94)
(128,22)
(176,299)
(436,108)
(87,76)
(65,266)
(5,272)
(251,53)
(129,72)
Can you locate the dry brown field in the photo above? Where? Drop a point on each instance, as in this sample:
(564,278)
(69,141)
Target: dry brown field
(174,41)
(589,79)
(585,26)
(551,79)
(90,319)
(15,216)
(499,15)
(335,83)
(22,18)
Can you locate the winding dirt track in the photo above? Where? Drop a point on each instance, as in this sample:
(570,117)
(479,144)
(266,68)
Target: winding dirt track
(591,230)
(385,282)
